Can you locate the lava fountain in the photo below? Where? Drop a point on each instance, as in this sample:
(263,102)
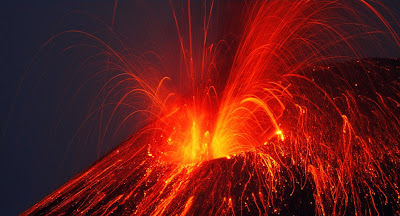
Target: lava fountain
(301,124)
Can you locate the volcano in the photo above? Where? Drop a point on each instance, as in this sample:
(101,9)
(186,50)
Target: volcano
(135,179)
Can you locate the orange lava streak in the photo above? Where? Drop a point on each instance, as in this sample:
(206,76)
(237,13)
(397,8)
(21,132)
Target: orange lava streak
(277,122)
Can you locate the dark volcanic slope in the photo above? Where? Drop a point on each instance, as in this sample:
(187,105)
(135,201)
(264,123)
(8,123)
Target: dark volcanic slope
(129,180)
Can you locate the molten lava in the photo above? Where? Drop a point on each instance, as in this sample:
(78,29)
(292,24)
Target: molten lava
(301,124)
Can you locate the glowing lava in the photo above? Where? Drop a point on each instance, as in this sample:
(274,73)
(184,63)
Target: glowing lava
(298,126)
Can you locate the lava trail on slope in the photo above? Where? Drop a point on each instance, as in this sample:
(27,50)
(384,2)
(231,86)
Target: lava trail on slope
(134,179)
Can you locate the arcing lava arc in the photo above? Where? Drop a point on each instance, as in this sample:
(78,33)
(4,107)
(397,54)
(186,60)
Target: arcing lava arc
(299,123)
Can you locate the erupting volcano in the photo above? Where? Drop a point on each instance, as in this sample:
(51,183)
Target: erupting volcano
(300,122)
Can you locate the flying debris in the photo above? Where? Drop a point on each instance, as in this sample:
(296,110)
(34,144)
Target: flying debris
(301,123)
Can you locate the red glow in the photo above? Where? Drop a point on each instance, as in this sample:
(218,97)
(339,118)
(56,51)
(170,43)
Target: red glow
(275,115)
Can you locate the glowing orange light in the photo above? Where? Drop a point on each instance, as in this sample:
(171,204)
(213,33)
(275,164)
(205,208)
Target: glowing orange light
(271,92)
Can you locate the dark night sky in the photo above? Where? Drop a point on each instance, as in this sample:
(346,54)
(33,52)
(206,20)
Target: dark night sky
(35,156)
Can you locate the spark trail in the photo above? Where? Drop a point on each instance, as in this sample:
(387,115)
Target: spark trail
(303,124)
